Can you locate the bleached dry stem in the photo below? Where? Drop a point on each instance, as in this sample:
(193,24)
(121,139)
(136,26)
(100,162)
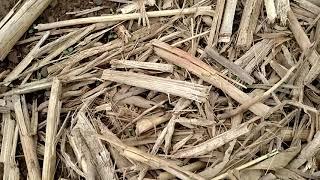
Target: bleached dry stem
(215,142)
(271,10)
(169,86)
(142,65)
(53,117)
(248,23)
(227,22)
(122,17)
(19,23)
(28,144)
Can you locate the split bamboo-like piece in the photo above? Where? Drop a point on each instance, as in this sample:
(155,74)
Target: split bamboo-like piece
(215,26)
(19,23)
(169,86)
(122,17)
(49,162)
(271,10)
(142,65)
(8,130)
(28,144)
(97,154)
(248,23)
(227,22)
(8,147)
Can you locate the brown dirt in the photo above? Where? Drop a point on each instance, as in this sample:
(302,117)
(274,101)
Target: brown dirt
(5,6)
(58,8)
(55,12)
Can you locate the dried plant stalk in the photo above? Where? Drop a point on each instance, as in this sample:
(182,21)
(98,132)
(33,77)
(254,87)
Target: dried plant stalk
(69,41)
(97,153)
(271,10)
(227,23)
(82,153)
(5,19)
(307,152)
(282,7)
(305,4)
(8,134)
(86,11)
(180,106)
(28,88)
(34,118)
(53,117)
(193,121)
(298,32)
(122,17)
(235,69)
(66,65)
(175,87)
(316,2)
(205,72)
(8,147)
(142,65)
(248,23)
(151,160)
(215,142)
(215,26)
(28,144)
(14,74)
(258,98)
(148,123)
(190,167)
(304,43)
(19,23)
(248,164)
(256,54)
